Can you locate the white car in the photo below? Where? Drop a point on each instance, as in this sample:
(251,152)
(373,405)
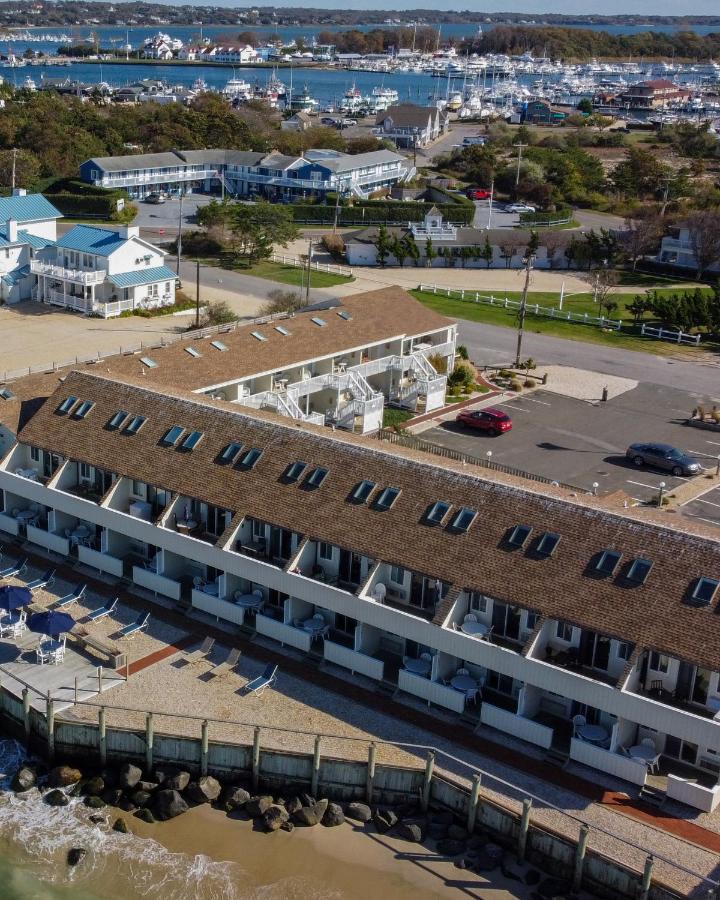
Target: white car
(520,208)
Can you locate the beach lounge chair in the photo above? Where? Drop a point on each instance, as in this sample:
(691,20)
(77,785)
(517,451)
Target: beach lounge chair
(140,624)
(72,597)
(16,568)
(227,665)
(267,679)
(42,581)
(200,653)
(102,611)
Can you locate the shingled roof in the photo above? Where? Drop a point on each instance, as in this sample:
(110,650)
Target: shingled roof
(653,615)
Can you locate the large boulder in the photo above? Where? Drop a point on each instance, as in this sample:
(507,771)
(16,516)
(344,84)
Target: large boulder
(449,847)
(141,798)
(145,815)
(76,855)
(129,776)
(93,787)
(306,816)
(274,817)
(234,798)
(204,790)
(121,826)
(23,780)
(256,806)
(409,831)
(293,805)
(320,808)
(94,802)
(333,816)
(358,812)
(113,796)
(384,820)
(167,804)
(176,781)
(63,776)
(56,798)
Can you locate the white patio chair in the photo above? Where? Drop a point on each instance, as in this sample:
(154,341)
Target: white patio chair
(578,722)
(198,582)
(463,672)
(426,656)
(318,617)
(41,655)
(58,655)
(257,593)
(471,696)
(470,617)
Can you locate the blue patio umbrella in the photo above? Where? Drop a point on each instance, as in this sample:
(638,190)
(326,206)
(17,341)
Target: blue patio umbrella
(50,622)
(13,597)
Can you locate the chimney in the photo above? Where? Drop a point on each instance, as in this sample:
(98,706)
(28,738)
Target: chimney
(129,231)
(11,230)
(19,192)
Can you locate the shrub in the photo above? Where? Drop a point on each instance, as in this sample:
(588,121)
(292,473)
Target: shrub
(516,385)
(198,243)
(462,351)
(218,313)
(335,246)
(528,383)
(439,363)
(462,376)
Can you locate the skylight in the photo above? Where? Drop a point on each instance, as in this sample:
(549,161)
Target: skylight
(608,562)
(463,519)
(362,491)
(250,458)
(196,354)
(519,535)
(344,314)
(387,497)
(67,404)
(117,420)
(172,435)
(295,470)
(318,321)
(135,424)
(6,393)
(639,570)
(83,409)
(548,543)
(704,590)
(316,478)
(230,452)
(281,329)
(258,335)
(149,362)
(437,512)
(218,345)
(192,440)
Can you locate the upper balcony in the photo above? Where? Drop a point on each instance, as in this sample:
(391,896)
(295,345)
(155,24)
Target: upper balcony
(265,541)
(78,276)
(411,592)
(332,565)
(134,179)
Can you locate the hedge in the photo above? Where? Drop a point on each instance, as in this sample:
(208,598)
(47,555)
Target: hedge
(560,215)
(79,205)
(370,212)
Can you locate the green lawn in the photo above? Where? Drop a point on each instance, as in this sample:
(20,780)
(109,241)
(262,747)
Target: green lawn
(498,315)
(393,418)
(294,275)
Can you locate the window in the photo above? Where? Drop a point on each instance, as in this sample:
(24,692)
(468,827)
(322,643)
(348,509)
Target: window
(397,574)
(294,471)
(230,452)
(659,662)
(67,404)
(345,624)
(463,519)
(135,424)
(608,562)
(564,631)
(149,362)
(35,454)
(362,491)
(387,497)
(258,529)
(623,650)
(6,393)
(84,471)
(117,420)
(317,477)
(192,440)
(318,321)
(282,330)
(548,543)
(193,352)
(250,458)
(519,535)
(218,345)
(325,550)
(83,409)
(344,314)
(639,570)
(531,621)
(172,435)
(437,512)
(478,602)
(258,335)
(138,488)
(704,591)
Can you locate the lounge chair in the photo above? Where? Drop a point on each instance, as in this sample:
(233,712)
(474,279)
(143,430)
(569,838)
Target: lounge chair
(42,581)
(227,665)
(201,652)
(140,624)
(102,611)
(72,597)
(16,568)
(267,679)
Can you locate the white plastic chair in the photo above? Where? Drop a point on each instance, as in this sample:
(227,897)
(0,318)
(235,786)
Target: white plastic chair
(470,617)
(318,617)
(257,593)
(41,655)
(471,695)
(578,722)
(426,656)
(463,672)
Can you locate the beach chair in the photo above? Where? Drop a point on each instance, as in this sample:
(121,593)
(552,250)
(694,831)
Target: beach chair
(200,653)
(42,581)
(102,611)
(140,624)
(227,665)
(72,597)
(266,680)
(16,568)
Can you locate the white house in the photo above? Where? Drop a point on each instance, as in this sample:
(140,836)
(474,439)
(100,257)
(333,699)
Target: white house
(157,49)
(27,231)
(411,126)
(676,249)
(104,272)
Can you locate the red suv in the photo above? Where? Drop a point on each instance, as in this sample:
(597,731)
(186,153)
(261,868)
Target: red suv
(477,194)
(492,421)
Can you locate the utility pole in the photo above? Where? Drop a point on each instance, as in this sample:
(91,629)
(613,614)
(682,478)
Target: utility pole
(666,193)
(14,163)
(337,208)
(529,260)
(490,209)
(307,285)
(197,293)
(520,147)
(179,237)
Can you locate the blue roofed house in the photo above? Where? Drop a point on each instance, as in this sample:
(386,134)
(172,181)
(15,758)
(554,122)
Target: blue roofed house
(28,227)
(104,271)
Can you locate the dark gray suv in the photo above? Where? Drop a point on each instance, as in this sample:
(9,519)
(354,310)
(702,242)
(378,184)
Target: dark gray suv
(665,457)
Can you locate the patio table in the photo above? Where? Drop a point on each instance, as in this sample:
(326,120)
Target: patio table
(249,601)
(464,683)
(595,734)
(475,629)
(25,515)
(314,626)
(640,751)
(418,666)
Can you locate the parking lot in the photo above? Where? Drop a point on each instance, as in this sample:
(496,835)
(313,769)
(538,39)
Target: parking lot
(706,508)
(582,443)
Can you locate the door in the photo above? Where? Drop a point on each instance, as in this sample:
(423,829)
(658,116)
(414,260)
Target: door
(587,647)
(684,685)
(701,686)
(280,543)
(349,567)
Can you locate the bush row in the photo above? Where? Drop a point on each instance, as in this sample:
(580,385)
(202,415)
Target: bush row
(79,205)
(369,212)
(560,215)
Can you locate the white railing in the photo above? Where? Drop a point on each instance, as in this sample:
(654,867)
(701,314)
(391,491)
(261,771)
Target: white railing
(432,691)
(329,268)
(216,606)
(158,584)
(285,634)
(68,301)
(47,539)
(354,660)
(519,726)
(667,334)
(692,794)
(9,524)
(81,276)
(104,562)
(534,309)
(623,767)
(155,178)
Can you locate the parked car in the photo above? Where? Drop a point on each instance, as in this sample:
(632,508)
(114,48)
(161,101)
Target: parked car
(491,421)
(477,194)
(665,457)
(520,208)
(327,120)
(155,197)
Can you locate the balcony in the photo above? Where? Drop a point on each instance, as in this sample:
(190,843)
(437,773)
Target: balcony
(78,276)
(220,607)
(137,179)
(568,659)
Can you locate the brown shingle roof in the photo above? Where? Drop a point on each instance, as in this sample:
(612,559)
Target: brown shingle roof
(652,615)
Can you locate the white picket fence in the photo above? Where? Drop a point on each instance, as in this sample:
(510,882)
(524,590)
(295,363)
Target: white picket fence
(330,268)
(534,309)
(667,334)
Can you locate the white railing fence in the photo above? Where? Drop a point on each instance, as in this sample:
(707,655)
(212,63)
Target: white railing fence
(667,334)
(329,268)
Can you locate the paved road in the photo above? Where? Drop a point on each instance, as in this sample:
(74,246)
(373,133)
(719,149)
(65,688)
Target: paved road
(495,345)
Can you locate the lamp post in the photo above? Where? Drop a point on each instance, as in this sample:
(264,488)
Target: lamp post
(490,208)
(661,486)
(179,237)
(520,147)
(528,262)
